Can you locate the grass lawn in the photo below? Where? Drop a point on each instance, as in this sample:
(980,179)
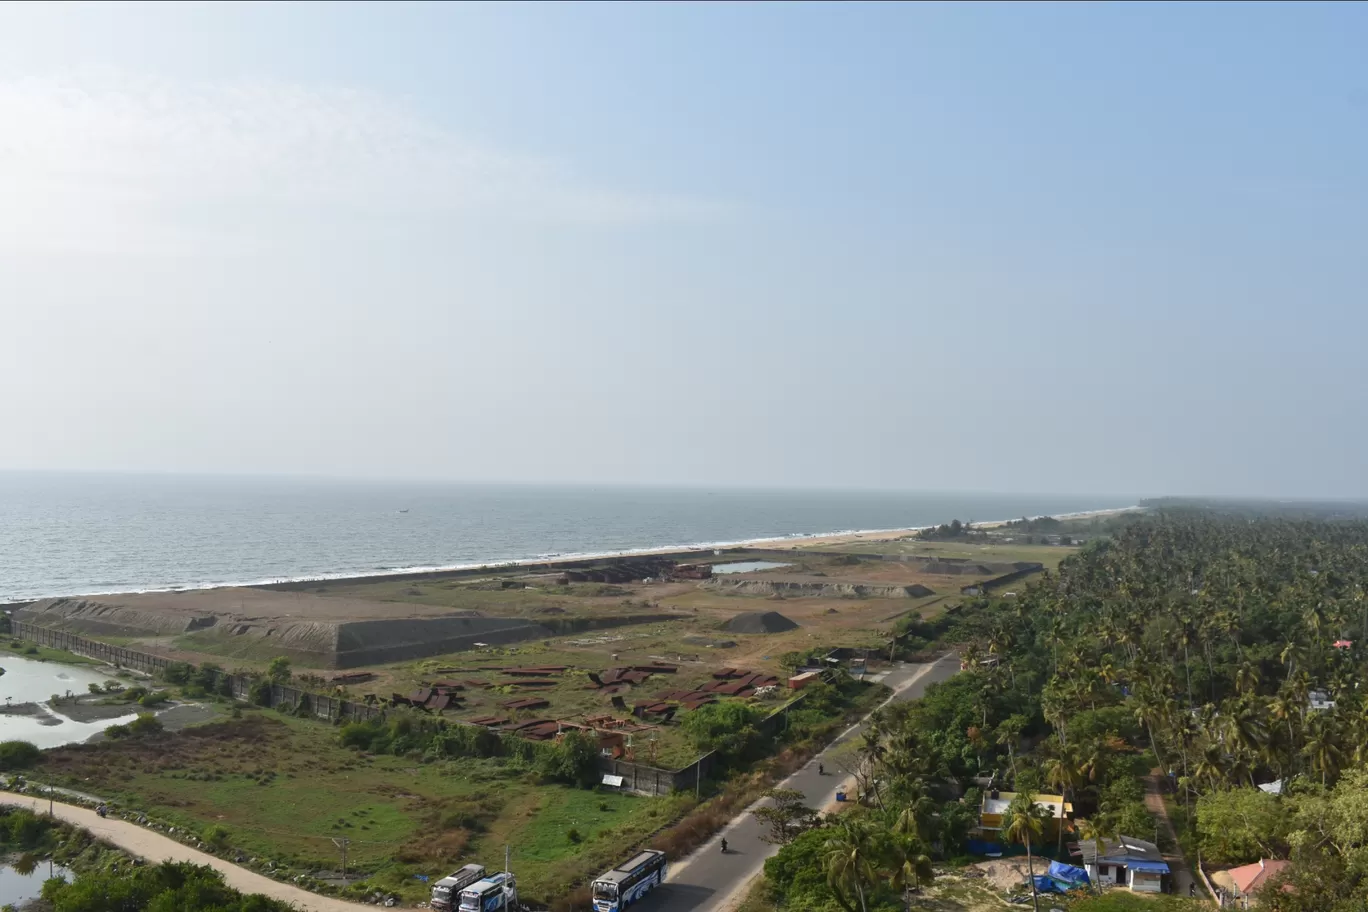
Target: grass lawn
(283,788)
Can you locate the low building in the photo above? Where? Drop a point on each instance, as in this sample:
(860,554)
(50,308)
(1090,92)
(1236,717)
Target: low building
(1125,861)
(1056,810)
(1243,883)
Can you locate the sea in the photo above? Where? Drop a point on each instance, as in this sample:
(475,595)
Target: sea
(78,533)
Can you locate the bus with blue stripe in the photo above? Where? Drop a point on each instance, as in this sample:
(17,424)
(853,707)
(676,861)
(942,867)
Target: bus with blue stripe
(628,882)
(496,893)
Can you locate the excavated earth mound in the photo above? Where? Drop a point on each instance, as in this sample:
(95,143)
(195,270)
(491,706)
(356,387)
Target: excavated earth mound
(760,622)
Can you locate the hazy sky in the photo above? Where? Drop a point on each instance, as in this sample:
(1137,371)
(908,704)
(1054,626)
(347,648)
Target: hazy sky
(1082,248)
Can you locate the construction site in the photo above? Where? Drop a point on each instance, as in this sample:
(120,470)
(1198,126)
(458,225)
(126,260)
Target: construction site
(623,647)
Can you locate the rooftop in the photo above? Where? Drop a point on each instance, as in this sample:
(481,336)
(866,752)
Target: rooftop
(1054,805)
(1120,849)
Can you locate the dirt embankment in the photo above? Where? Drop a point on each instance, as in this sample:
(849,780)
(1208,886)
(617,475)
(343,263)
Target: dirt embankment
(818,589)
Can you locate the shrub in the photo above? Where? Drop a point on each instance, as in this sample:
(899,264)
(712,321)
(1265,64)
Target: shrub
(177,673)
(145,724)
(94,688)
(31,650)
(155,698)
(16,755)
(137,692)
(573,835)
(115,732)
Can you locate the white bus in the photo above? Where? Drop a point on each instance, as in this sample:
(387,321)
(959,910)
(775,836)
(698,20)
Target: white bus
(496,893)
(629,881)
(447,891)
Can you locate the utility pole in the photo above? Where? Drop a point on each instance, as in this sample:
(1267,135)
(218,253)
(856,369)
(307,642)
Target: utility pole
(342,842)
(50,813)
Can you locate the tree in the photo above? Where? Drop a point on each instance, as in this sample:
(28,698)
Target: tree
(907,861)
(851,859)
(1236,826)
(786,816)
(1024,824)
(17,755)
(728,728)
(279,670)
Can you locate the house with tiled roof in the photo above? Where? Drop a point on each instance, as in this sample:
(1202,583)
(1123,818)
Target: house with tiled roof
(1244,882)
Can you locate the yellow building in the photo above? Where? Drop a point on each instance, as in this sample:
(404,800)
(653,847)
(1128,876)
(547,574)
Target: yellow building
(1056,811)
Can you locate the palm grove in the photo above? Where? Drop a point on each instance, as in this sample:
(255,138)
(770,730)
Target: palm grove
(1217,652)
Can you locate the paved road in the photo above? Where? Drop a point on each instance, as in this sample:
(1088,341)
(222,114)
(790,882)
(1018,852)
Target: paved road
(153,846)
(709,881)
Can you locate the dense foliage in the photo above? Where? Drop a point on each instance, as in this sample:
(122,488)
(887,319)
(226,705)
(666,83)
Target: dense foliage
(1224,650)
(572,759)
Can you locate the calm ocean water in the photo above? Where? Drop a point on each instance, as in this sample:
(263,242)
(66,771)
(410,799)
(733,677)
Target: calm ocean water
(64,534)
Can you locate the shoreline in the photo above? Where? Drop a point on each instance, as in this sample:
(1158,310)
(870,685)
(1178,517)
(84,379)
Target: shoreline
(793,541)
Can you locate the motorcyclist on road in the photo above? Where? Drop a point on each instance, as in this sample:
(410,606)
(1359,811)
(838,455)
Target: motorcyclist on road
(724,846)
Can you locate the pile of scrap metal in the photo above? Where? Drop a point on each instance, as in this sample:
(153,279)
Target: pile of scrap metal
(529,671)
(353,677)
(432,699)
(630,675)
(662,711)
(526,703)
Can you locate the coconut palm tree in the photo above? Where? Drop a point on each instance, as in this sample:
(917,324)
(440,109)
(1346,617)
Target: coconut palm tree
(852,855)
(907,861)
(1024,824)
(1064,771)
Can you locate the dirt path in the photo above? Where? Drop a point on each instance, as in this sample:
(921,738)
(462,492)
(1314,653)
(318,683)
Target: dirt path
(1178,865)
(155,847)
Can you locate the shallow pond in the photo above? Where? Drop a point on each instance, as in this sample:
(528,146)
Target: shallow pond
(748,566)
(16,888)
(28,680)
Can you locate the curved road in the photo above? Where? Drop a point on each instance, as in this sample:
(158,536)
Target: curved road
(153,846)
(708,881)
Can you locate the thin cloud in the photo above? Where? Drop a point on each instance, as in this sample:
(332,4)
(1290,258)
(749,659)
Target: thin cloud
(128,161)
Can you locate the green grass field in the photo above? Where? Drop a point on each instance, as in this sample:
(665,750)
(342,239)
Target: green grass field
(283,788)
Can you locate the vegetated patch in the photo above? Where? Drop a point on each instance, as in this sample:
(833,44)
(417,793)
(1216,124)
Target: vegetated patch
(760,622)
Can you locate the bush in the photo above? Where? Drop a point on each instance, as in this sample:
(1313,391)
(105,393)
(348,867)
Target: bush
(573,835)
(15,755)
(145,724)
(177,673)
(260,693)
(115,732)
(31,650)
(155,698)
(574,761)
(137,692)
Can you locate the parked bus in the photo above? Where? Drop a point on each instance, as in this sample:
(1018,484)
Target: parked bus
(496,893)
(629,881)
(447,891)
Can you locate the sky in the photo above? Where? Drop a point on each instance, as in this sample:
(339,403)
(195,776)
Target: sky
(1075,248)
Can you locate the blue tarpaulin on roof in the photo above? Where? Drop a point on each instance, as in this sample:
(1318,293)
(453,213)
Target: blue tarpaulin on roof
(1149,867)
(1067,873)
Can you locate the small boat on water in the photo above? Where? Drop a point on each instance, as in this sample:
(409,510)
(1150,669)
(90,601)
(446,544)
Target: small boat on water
(405,510)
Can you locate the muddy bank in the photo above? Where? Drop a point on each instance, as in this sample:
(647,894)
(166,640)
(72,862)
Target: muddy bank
(38,713)
(94,709)
(179,716)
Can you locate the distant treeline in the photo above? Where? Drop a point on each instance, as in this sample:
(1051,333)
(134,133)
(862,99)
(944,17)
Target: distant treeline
(1291,510)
